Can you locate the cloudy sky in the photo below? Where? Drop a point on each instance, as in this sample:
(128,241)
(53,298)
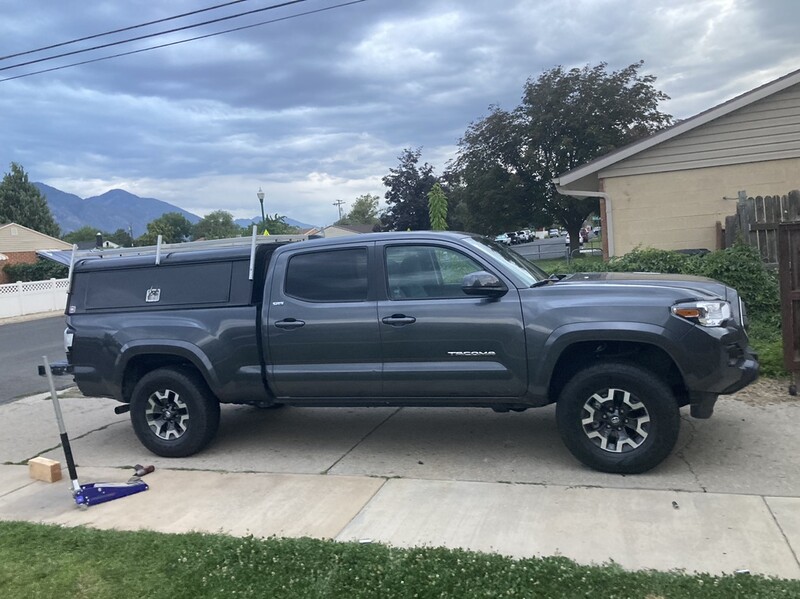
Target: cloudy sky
(316,108)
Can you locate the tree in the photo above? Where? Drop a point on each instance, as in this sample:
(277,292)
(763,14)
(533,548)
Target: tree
(277,225)
(407,195)
(566,119)
(172,226)
(216,225)
(122,237)
(363,212)
(22,203)
(437,208)
(85,233)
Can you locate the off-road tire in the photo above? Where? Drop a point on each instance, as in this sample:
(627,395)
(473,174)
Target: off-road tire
(173,412)
(633,437)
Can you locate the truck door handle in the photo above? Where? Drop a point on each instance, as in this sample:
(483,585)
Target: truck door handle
(289,323)
(398,320)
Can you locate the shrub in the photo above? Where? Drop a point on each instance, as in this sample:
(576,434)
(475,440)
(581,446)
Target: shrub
(766,338)
(741,267)
(650,260)
(40,271)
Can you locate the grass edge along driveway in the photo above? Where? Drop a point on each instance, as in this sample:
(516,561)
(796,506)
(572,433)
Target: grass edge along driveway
(50,561)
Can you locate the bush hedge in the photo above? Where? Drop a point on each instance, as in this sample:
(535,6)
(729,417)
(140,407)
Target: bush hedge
(42,270)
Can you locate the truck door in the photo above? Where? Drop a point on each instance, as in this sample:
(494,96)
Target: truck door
(321,325)
(436,340)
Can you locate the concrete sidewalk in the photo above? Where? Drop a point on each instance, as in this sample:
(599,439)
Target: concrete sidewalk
(384,475)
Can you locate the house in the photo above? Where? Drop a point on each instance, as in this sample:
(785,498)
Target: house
(342,230)
(90,245)
(670,190)
(19,244)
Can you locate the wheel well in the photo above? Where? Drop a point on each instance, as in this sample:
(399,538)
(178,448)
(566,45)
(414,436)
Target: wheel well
(139,366)
(585,353)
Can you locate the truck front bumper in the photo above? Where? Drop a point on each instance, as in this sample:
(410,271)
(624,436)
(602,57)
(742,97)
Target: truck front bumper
(740,368)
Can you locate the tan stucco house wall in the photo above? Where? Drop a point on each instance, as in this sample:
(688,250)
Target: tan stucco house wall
(681,209)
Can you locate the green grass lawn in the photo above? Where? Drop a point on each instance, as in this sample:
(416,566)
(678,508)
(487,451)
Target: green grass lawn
(48,561)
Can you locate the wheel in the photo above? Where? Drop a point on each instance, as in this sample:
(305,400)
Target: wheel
(618,418)
(173,412)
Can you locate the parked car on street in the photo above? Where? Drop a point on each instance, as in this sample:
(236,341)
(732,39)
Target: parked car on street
(566,240)
(553,233)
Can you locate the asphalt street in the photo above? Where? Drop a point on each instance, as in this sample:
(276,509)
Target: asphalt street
(22,345)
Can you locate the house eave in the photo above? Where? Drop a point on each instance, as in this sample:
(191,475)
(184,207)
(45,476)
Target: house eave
(569,178)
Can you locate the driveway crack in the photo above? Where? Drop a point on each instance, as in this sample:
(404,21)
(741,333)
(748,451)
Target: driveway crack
(360,441)
(680,455)
(780,528)
(71,439)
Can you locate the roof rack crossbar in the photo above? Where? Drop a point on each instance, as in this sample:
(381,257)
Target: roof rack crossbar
(191,246)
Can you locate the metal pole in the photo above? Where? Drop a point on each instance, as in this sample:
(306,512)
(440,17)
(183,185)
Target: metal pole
(76,487)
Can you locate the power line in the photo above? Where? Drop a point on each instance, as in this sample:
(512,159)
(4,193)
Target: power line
(149,35)
(96,35)
(191,39)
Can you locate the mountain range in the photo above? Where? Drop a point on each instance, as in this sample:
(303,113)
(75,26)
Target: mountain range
(118,209)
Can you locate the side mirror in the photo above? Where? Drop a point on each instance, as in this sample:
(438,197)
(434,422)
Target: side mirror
(483,284)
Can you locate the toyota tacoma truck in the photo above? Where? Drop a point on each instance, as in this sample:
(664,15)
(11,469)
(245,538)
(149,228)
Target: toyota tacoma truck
(400,319)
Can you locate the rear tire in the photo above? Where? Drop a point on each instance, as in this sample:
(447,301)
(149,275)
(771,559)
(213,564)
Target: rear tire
(173,412)
(618,418)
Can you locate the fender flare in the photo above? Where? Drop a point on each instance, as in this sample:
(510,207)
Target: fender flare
(561,338)
(188,351)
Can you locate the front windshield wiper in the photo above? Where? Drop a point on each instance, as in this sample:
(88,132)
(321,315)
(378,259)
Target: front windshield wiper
(547,281)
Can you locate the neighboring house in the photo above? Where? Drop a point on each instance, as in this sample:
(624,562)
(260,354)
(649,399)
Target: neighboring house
(670,190)
(342,230)
(20,244)
(311,231)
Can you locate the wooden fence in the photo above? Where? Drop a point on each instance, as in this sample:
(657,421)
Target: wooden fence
(756,222)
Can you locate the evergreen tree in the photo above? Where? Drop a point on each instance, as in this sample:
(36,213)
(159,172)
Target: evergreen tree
(437,208)
(407,195)
(22,203)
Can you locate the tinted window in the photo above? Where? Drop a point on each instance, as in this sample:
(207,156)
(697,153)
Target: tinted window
(158,286)
(332,276)
(417,272)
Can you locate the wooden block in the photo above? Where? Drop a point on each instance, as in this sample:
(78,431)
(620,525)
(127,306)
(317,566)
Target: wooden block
(44,469)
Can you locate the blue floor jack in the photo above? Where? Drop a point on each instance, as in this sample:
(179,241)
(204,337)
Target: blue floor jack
(91,493)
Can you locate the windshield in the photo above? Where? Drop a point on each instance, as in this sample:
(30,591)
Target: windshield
(524,269)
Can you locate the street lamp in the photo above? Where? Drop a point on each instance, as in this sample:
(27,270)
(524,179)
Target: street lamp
(260,195)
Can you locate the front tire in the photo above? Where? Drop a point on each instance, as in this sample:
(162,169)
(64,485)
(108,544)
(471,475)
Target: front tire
(618,418)
(173,412)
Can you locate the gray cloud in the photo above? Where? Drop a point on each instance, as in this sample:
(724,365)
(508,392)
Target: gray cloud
(318,108)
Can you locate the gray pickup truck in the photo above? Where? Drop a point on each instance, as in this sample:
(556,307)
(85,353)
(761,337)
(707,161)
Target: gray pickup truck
(401,319)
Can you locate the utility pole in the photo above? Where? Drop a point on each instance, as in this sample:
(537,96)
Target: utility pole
(338,204)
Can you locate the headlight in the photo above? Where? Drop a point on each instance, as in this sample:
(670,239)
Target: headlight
(707,314)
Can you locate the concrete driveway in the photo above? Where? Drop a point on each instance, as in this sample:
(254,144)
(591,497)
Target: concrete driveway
(728,498)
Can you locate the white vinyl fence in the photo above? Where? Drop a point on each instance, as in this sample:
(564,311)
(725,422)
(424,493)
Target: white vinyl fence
(18,299)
